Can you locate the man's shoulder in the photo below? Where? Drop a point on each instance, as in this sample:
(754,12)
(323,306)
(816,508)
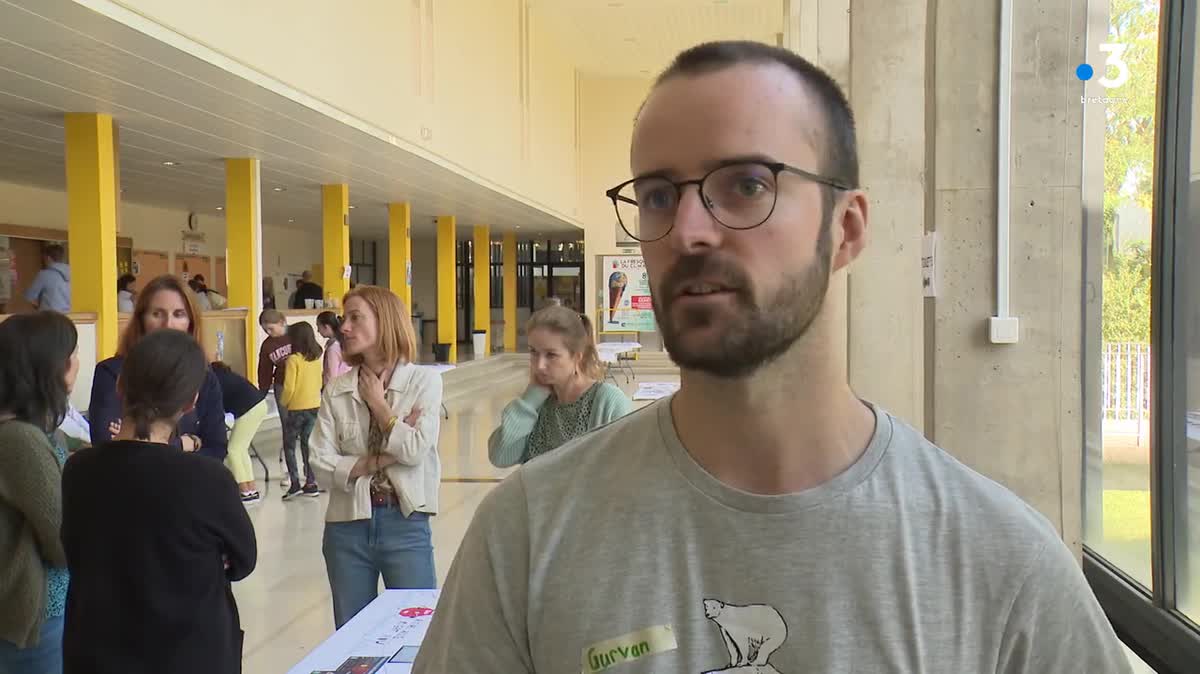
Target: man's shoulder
(976,506)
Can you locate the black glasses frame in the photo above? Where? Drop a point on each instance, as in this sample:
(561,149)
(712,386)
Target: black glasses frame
(774,167)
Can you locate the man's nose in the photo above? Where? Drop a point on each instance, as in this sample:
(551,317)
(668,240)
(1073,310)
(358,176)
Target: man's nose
(694,228)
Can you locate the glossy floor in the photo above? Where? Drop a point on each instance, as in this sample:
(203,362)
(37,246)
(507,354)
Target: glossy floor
(285,605)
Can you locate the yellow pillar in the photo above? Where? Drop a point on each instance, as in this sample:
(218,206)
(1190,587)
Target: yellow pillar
(447,277)
(243,247)
(335,210)
(92,222)
(400,252)
(483,285)
(510,292)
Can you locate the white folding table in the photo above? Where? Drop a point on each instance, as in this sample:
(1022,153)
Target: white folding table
(382,639)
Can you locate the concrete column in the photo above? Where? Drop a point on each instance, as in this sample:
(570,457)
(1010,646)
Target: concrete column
(482,247)
(335,225)
(1012,412)
(510,292)
(92,222)
(447,284)
(400,251)
(886,305)
(243,246)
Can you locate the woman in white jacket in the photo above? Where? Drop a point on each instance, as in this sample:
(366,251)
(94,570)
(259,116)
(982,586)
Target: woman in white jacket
(375,445)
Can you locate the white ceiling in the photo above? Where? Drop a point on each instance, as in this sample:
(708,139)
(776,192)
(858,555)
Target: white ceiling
(632,38)
(57,56)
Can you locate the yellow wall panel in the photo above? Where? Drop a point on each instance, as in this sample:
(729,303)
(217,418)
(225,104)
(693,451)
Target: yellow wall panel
(607,110)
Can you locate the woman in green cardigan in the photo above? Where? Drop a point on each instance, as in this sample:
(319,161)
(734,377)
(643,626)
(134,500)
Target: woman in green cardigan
(37,373)
(567,396)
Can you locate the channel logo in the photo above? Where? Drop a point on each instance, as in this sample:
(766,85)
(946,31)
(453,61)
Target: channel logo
(1115,51)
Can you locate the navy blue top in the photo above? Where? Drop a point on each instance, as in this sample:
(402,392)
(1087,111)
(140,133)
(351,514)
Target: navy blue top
(238,394)
(207,421)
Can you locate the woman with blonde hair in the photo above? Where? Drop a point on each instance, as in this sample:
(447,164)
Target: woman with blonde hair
(567,395)
(165,303)
(375,448)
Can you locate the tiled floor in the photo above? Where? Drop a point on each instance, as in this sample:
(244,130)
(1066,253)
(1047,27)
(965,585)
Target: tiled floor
(285,606)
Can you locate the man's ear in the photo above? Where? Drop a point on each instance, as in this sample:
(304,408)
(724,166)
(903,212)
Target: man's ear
(850,225)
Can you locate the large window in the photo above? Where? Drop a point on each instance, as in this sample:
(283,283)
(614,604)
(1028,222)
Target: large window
(1120,128)
(363,261)
(1142,329)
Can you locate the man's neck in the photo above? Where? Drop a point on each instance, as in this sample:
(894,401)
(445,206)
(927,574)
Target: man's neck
(793,425)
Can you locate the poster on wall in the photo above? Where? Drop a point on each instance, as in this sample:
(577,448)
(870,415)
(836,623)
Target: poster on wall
(627,295)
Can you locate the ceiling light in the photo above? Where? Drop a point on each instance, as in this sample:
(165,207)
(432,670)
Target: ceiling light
(279,189)
(518,226)
(170,163)
(291,219)
(220,208)
(352,208)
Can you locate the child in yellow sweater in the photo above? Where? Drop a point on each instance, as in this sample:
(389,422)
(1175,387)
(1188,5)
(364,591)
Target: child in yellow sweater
(302,398)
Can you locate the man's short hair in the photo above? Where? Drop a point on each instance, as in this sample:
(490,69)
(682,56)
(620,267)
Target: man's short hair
(271,317)
(54,252)
(840,159)
(306,275)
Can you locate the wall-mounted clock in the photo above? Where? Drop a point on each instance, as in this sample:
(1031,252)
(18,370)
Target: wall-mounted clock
(193,222)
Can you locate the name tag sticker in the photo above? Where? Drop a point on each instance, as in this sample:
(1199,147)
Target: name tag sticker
(633,646)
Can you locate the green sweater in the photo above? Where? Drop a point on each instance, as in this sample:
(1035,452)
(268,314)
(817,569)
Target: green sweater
(30,519)
(536,422)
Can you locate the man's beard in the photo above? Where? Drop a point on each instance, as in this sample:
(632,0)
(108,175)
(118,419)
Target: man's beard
(754,335)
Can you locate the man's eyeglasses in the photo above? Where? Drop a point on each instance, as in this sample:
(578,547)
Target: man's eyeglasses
(739,195)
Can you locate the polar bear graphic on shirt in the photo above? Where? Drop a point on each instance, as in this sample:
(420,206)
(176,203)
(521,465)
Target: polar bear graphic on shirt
(751,634)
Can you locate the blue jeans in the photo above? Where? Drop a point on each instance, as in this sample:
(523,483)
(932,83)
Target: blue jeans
(44,658)
(358,552)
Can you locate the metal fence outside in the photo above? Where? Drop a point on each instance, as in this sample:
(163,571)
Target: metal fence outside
(1125,381)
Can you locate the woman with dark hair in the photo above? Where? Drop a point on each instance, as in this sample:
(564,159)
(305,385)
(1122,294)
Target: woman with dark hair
(375,446)
(153,535)
(125,293)
(301,397)
(329,325)
(37,373)
(165,303)
(567,395)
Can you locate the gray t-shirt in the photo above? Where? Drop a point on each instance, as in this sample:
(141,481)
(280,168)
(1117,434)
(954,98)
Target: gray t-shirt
(618,552)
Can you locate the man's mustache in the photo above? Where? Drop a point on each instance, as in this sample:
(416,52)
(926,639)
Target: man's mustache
(708,268)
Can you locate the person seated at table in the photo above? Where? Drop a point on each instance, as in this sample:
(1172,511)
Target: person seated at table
(154,536)
(375,447)
(165,303)
(248,406)
(125,293)
(566,397)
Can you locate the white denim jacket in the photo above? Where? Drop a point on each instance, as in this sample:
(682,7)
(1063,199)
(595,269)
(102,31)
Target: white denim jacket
(340,438)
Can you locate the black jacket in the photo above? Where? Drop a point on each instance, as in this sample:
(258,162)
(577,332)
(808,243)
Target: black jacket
(237,393)
(307,291)
(207,421)
(147,530)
